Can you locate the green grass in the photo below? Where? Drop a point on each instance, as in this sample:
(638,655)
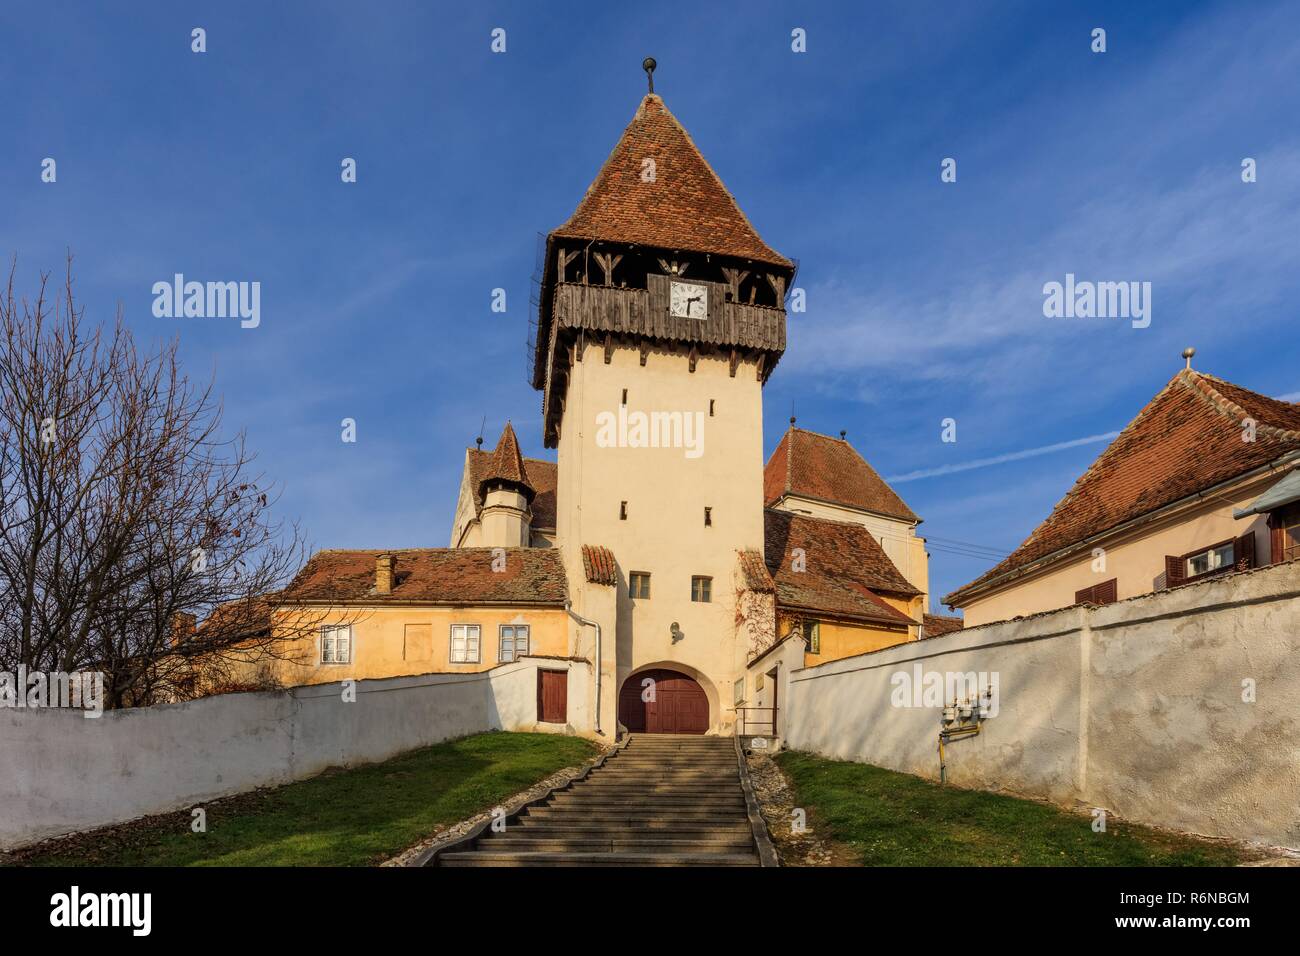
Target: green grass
(340,818)
(894,819)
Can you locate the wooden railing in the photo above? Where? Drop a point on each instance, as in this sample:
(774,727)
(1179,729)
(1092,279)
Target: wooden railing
(638,312)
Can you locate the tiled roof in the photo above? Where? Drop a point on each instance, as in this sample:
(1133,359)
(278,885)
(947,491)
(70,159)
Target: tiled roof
(686,206)
(435,576)
(843,568)
(542,477)
(936,625)
(753,571)
(506,464)
(1188,438)
(818,466)
(599,564)
(242,619)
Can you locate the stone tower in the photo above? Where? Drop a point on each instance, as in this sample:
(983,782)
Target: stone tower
(661,317)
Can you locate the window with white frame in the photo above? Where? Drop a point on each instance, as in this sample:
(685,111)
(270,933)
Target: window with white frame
(464,643)
(336,644)
(514,642)
(1210,560)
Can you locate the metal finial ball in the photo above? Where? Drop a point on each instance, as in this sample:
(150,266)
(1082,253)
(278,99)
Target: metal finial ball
(649,64)
(1188,352)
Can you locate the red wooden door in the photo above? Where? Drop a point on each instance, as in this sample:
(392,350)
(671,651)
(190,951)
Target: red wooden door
(553,697)
(678,704)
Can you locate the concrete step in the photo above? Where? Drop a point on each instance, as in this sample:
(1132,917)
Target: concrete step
(650,780)
(508,858)
(562,826)
(611,815)
(628,843)
(670,766)
(659,790)
(721,832)
(615,797)
(718,806)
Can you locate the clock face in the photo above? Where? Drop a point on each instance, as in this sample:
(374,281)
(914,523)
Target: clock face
(689,301)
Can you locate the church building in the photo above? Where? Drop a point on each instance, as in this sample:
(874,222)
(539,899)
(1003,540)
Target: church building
(656,547)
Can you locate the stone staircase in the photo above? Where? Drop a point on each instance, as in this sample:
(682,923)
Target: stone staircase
(661,800)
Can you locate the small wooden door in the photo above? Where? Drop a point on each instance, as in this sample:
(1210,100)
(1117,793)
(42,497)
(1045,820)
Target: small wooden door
(553,697)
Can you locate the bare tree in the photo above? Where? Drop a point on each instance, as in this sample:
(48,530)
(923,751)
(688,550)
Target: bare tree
(125,516)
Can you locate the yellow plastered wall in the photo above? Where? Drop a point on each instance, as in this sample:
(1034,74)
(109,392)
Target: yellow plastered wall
(402,641)
(845,639)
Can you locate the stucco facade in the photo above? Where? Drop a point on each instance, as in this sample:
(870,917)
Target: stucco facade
(400,641)
(1135,559)
(664,493)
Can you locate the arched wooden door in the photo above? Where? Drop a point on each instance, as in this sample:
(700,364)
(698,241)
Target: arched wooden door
(676,705)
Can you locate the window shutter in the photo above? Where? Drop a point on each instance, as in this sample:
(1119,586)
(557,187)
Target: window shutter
(1244,551)
(1277,538)
(1106,592)
(1173,570)
(1083,597)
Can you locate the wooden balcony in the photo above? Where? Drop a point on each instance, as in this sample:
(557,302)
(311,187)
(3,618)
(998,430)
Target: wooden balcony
(644,312)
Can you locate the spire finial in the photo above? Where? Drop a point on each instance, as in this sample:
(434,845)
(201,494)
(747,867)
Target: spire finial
(649,64)
(1187,354)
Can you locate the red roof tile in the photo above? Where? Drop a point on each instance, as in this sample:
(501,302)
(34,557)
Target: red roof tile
(1188,438)
(685,207)
(457,576)
(937,625)
(830,469)
(753,571)
(506,464)
(542,477)
(843,568)
(599,564)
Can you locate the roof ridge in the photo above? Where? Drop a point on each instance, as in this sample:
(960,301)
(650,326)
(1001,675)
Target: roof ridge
(1200,384)
(1142,414)
(714,173)
(507,463)
(789,457)
(760,250)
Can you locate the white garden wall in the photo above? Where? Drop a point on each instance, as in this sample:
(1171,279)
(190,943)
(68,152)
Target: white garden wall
(1136,707)
(61,772)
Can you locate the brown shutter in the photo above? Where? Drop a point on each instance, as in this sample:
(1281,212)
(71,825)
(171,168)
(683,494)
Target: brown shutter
(1173,570)
(1106,592)
(1083,597)
(1276,538)
(1244,551)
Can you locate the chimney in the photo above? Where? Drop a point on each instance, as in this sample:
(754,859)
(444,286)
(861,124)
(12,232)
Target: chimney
(384,574)
(183,627)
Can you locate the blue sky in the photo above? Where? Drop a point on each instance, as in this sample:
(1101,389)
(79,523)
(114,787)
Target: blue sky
(924,298)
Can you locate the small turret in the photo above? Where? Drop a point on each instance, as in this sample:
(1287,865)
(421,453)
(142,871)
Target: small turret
(507,496)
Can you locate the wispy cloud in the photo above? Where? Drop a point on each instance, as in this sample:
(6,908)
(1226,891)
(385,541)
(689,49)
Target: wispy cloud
(1001,459)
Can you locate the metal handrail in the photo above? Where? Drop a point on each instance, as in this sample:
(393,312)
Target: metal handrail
(745,720)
